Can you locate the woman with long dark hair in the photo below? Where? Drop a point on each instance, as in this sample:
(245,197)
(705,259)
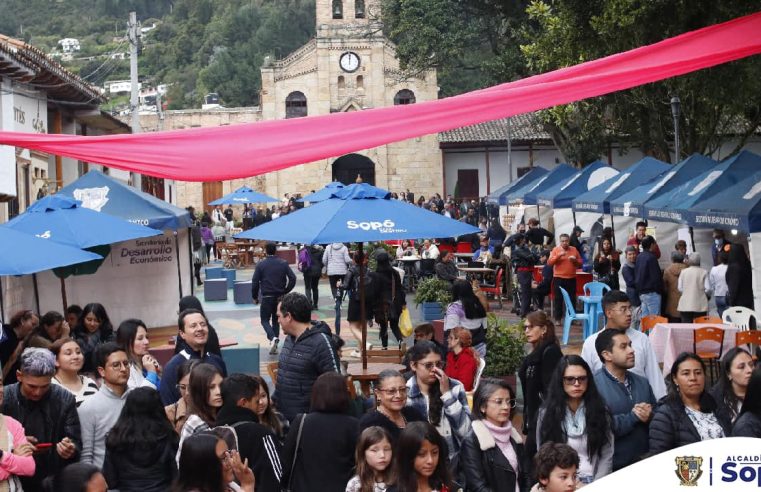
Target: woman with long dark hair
(141,446)
(177,412)
(729,391)
(439,398)
(93,328)
(748,424)
(77,477)
(688,413)
(205,400)
(391,410)
(607,264)
(325,453)
(574,413)
(208,465)
(269,417)
(467,310)
(536,371)
(20,326)
(739,278)
(493,455)
(144,369)
(390,300)
(419,461)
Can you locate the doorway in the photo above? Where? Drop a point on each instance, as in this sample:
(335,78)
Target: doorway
(347,168)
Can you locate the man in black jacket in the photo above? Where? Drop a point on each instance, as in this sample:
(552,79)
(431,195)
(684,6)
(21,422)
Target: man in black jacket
(523,260)
(48,413)
(648,278)
(256,443)
(307,353)
(274,277)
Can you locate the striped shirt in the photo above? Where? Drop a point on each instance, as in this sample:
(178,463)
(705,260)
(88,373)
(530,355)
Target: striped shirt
(89,388)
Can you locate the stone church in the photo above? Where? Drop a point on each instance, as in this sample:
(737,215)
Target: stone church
(348,66)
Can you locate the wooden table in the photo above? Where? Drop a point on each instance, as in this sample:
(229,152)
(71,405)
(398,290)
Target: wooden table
(369,375)
(671,339)
(465,256)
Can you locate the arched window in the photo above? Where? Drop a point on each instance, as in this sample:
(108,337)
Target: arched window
(359,9)
(338,9)
(295,105)
(341,82)
(360,82)
(404,96)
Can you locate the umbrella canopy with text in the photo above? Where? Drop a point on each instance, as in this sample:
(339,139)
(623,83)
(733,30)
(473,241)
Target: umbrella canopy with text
(242,196)
(63,220)
(358,213)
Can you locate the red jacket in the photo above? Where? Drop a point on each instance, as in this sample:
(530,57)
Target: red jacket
(463,367)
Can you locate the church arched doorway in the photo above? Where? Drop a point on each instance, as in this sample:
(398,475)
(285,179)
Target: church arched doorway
(346,169)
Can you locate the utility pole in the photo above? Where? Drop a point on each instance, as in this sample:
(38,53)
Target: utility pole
(134,102)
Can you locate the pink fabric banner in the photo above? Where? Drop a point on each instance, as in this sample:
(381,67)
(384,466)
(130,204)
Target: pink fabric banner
(222,153)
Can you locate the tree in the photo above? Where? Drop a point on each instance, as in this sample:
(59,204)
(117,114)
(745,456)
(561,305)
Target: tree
(518,38)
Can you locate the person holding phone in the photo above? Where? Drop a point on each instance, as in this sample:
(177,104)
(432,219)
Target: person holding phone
(48,414)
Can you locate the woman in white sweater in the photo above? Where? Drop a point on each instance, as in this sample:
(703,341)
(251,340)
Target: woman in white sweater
(695,288)
(336,260)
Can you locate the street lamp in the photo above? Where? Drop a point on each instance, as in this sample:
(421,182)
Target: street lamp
(675,110)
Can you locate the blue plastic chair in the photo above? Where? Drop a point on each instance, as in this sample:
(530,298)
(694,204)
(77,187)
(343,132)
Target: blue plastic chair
(570,316)
(593,310)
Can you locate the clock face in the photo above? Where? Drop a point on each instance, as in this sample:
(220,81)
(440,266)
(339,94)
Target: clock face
(349,61)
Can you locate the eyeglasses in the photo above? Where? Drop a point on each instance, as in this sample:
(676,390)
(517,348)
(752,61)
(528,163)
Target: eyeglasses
(429,365)
(574,380)
(181,387)
(394,391)
(624,310)
(117,365)
(503,401)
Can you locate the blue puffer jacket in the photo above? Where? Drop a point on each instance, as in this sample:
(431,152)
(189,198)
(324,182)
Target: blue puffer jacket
(301,361)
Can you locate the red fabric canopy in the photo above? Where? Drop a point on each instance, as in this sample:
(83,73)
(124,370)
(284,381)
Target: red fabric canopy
(222,153)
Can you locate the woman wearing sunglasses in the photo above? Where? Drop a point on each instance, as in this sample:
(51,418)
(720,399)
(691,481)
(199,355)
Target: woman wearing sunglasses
(493,455)
(391,410)
(438,397)
(574,413)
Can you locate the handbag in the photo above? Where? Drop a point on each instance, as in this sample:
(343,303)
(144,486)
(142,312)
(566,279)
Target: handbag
(295,453)
(405,323)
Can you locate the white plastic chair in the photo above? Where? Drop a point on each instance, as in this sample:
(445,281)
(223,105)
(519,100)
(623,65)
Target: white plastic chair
(479,372)
(739,317)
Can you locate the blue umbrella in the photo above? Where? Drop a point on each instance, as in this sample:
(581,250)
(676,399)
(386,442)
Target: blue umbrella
(65,221)
(322,194)
(242,196)
(358,213)
(24,254)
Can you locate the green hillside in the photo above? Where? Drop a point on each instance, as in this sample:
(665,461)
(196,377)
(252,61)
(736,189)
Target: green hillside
(198,46)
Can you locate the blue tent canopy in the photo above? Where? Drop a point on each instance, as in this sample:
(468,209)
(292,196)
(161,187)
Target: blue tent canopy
(742,212)
(631,203)
(526,193)
(110,196)
(671,207)
(243,196)
(598,198)
(561,194)
(322,194)
(499,196)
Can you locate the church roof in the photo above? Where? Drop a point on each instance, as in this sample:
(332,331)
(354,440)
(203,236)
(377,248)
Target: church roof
(524,127)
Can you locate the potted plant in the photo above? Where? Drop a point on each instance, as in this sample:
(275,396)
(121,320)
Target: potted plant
(434,295)
(505,351)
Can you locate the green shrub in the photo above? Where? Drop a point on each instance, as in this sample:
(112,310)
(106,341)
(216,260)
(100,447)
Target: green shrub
(505,346)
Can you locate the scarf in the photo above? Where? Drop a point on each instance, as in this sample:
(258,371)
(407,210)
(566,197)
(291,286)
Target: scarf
(501,436)
(575,424)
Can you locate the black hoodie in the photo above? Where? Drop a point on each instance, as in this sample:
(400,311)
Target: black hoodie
(255,443)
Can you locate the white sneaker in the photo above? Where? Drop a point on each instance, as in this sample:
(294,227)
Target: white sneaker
(369,346)
(273,345)
(355,353)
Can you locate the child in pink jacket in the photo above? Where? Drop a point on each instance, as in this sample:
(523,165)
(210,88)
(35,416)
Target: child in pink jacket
(16,456)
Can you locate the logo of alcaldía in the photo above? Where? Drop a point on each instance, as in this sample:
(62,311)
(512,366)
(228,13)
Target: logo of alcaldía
(688,469)
(745,468)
